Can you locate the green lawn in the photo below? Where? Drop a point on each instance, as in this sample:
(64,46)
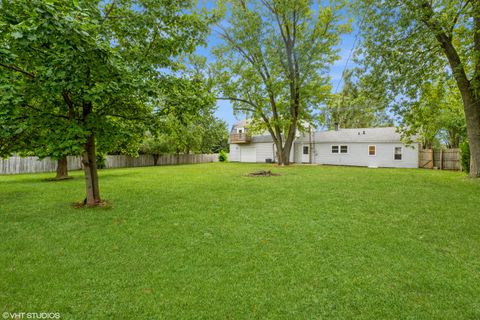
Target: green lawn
(207,242)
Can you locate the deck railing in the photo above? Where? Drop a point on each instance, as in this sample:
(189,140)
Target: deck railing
(240,138)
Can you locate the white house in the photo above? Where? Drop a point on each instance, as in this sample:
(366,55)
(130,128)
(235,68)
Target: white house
(368,147)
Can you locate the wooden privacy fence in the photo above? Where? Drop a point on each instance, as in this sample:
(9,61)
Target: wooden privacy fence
(146,160)
(447,159)
(15,165)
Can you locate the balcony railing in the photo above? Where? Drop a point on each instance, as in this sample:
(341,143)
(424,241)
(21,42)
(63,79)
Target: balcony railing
(240,138)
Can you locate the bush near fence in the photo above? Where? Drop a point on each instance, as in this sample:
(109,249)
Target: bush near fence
(16,165)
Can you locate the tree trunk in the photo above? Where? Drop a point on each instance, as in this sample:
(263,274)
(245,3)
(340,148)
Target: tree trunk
(467,88)
(283,150)
(278,151)
(472,115)
(282,161)
(62,169)
(283,153)
(286,152)
(91,174)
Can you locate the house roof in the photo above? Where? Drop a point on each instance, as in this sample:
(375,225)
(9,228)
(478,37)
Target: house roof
(262,138)
(241,124)
(388,134)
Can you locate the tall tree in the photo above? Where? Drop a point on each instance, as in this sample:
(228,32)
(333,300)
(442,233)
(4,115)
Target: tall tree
(409,42)
(356,106)
(274,60)
(102,59)
(437,117)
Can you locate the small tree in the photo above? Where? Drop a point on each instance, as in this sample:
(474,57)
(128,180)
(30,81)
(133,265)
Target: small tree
(223,156)
(188,119)
(156,146)
(101,59)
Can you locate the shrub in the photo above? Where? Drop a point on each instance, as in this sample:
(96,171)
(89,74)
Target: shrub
(101,159)
(465,150)
(223,156)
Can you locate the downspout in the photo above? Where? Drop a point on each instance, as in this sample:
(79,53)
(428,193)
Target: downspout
(311,144)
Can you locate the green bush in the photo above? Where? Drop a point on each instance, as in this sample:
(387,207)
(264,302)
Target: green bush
(465,150)
(223,156)
(101,159)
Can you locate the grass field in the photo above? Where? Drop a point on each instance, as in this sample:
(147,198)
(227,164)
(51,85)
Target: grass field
(207,242)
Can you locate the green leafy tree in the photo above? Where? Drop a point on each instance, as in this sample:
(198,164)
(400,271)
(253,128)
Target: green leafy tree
(83,66)
(28,130)
(203,133)
(437,117)
(274,60)
(156,146)
(214,135)
(356,106)
(188,121)
(223,156)
(409,42)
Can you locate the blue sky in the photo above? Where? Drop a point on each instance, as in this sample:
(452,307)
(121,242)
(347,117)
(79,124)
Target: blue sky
(224,108)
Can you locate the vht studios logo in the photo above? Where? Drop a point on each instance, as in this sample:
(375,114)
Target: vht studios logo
(31,315)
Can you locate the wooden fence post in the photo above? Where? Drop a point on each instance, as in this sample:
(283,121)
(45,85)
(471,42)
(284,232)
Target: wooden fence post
(432,153)
(441,159)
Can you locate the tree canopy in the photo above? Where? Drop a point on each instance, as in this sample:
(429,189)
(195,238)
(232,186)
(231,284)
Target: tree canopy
(274,60)
(186,121)
(356,106)
(81,72)
(437,117)
(407,44)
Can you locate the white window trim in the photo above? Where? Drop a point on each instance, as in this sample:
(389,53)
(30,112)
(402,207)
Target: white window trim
(243,130)
(344,145)
(401,149)
(373,155)
(334,145)
(303,146)
(340,149)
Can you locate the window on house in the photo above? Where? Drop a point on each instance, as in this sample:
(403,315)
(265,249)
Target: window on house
(372,150)
(343,149)
(240,130)
(397,154)
(305,149)
(334,149)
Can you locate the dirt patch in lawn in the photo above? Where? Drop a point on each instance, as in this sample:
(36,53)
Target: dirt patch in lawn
(263,173)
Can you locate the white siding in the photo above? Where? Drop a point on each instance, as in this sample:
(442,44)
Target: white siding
(248,154)
(358,155)
(234,152)
(264,151)
(298,151)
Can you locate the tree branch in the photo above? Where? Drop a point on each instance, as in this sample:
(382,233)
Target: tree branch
(457,16)
(44,112)
(17,69)
(239,100)
(107,13)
